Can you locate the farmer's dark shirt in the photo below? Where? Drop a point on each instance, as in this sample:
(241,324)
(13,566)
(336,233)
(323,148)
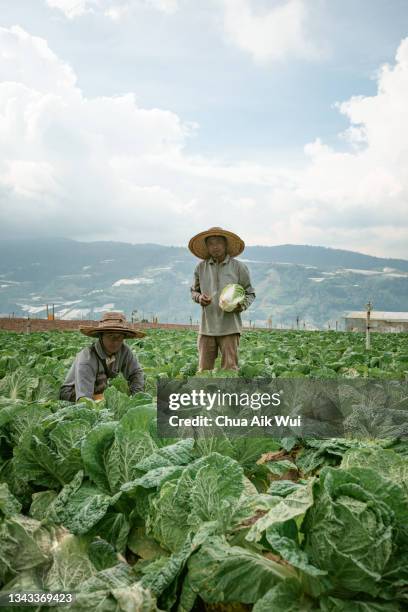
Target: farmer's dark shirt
(211,277)
(86,367)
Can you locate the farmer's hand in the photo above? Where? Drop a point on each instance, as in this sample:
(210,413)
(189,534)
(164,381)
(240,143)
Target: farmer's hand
(238,308)
(204,299)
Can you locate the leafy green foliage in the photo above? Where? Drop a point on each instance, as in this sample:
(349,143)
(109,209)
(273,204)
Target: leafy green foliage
(92,500)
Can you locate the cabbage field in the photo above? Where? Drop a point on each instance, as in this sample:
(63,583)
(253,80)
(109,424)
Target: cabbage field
(94,503)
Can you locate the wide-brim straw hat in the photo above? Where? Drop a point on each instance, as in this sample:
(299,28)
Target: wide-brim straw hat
(112,322)
(197,245)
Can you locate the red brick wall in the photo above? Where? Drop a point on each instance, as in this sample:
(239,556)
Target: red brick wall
(38,325)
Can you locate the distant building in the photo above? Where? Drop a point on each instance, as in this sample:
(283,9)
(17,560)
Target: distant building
(379,321)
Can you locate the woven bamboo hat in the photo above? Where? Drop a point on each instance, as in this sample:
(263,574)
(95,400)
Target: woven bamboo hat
(112,322)
(197,245)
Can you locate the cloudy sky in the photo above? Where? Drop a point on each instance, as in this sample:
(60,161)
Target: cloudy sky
(149,120)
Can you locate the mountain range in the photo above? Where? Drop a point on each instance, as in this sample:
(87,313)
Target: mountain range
(314,285)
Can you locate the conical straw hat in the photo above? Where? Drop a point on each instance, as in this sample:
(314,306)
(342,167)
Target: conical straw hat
(197,245)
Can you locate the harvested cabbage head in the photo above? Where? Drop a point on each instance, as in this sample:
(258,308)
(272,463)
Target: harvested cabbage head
(231,296)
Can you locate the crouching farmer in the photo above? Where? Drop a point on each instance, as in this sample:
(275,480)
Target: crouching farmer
(104,359)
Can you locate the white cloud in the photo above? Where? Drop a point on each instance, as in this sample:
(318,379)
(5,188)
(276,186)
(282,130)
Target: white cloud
(165,6)
(371,179)
(29,64)
(60,152)
(270,35)
(72,8)
(104,168)
(115,9)
(117,12)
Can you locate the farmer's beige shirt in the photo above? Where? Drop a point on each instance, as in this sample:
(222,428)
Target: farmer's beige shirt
(211,277)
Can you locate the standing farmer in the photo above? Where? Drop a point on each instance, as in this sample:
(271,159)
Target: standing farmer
(219,330)
(109,355)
